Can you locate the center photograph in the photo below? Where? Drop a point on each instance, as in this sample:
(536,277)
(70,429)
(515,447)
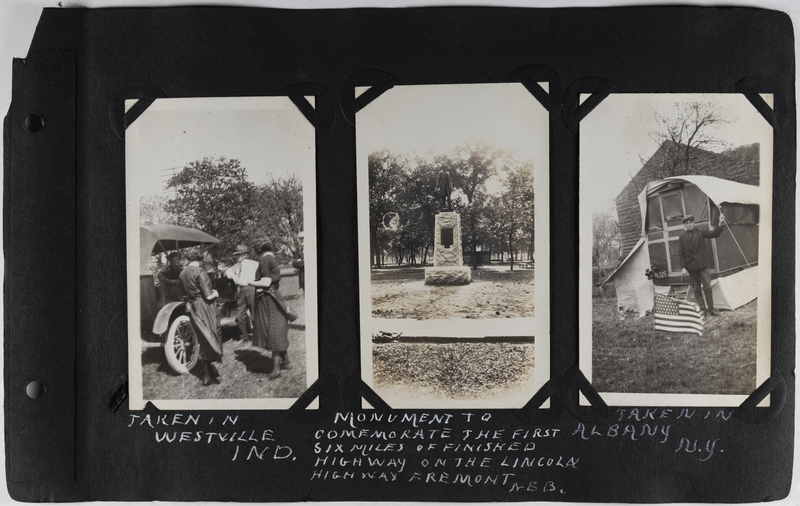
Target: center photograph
(454,245)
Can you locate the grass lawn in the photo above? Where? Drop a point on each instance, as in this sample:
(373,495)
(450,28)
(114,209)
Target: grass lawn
(630,356)
(451,370)
(402,293)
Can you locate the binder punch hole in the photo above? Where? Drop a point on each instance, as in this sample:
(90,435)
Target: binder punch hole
(36,390)
(378,82)
(33,123)
(575,110)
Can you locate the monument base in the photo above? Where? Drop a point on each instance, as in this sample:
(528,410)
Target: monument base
(452,275)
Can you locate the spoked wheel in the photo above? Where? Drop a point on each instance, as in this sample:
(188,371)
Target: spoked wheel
(181,347)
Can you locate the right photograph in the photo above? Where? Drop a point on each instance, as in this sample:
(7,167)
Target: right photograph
(675,228)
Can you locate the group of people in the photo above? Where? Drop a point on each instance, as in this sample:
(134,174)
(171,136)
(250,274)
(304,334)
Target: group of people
(261,297)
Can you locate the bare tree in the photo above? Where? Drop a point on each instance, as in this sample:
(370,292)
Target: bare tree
(685,136)
(605,240)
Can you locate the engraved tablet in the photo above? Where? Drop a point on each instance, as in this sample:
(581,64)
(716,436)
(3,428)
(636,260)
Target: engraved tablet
(447,237)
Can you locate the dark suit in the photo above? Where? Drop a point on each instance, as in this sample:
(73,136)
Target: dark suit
(697,257)
(173,273)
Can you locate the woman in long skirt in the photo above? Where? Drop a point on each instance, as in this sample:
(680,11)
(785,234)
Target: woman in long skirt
(202,315)
(271,319)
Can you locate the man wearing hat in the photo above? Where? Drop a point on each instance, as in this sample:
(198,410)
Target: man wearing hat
(697,258)
(246,294)
(174,268)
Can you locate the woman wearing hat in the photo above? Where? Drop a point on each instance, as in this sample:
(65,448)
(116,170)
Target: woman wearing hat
(202,314)
(271,320)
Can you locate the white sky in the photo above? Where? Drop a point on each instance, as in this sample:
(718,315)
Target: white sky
(436,118)
(268,135)
(616,134)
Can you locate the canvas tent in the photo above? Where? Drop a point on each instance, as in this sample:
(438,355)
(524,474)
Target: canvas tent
(662,205)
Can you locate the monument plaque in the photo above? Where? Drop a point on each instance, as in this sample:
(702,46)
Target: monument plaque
(447,237)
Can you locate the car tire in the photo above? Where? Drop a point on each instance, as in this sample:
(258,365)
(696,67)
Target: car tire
(181,347)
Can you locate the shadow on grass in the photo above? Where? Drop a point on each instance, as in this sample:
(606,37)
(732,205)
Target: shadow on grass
(254,361)
(156,356)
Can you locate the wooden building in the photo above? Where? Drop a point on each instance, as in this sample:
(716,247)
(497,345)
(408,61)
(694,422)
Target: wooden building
(671,159)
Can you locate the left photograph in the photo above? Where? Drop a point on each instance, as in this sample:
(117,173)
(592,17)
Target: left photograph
(221,253)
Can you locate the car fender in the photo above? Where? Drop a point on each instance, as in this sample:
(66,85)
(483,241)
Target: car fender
(164,316)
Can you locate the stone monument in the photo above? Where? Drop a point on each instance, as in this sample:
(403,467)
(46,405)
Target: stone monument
(448,259)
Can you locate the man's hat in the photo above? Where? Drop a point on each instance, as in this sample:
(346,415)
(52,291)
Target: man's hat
(688,217)
(241,249)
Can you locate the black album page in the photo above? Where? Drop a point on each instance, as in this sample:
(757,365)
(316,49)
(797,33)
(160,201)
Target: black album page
(422,254)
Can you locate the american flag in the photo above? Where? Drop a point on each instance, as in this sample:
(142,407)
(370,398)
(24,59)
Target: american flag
(673,315)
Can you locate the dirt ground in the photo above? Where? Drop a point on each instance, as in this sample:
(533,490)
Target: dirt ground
(493,293)
(244,369)
(451,370)
(630,356)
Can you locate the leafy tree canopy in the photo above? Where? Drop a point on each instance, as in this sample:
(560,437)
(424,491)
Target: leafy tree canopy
(214,195)
(490,188)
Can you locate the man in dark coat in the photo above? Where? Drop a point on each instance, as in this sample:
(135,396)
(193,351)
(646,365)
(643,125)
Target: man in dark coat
(174,268)
(171,288)
(697,258)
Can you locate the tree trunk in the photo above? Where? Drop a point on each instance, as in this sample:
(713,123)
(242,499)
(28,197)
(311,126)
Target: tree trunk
(474,242)
(511,249)
(530,248)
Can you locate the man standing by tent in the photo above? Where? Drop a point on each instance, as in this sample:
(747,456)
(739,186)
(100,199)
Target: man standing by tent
(696,259)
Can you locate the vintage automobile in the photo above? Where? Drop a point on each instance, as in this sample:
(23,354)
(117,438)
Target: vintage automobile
(164,316)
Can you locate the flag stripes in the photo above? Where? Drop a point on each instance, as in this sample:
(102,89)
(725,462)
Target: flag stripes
(673,315)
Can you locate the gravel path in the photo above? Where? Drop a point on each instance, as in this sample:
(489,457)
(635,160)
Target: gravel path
(402,293)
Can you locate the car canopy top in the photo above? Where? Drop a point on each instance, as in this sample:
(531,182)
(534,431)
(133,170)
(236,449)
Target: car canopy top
(162,238)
